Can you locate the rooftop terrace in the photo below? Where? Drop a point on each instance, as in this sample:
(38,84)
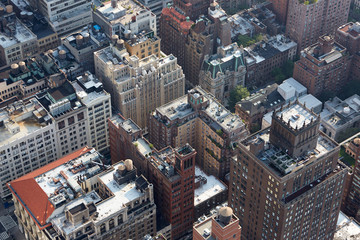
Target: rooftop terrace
(296,115)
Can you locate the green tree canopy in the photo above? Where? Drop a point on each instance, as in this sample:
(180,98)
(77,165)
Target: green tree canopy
(236,95)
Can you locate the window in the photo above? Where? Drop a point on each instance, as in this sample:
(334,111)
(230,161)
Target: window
(80,116)
(61,125)
(71,120)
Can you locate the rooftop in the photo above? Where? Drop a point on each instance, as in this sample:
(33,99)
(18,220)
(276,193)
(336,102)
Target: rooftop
(296,115)
(209,186)
(347,228)
(124,13)
(353,29)
(326,50)
(281,163)
(21,119)
(217,115)
(21,34)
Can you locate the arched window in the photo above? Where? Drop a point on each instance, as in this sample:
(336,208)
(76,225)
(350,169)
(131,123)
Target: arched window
(111,224)
(120,219)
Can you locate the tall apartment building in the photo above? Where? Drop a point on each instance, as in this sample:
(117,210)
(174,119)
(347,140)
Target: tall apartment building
(138,86)
(348,35)
(286,182)
(200,120)
(124,17)
(27,140)
(171,171)
(323,66)
(205,36)
(65,16)
(263,57)
(223,225)
(308,20)
(223,71)
(77,197)
(351,202)
(174,29)
(280,8)
(17,41)
(90,92)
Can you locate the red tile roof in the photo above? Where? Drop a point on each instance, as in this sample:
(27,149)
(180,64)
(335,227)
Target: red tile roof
(179,18)
(30,194)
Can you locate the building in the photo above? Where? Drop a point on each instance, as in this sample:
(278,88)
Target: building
(17,41)
(263,57)
(209,193)
(348,35)
(224,225)
(286,181)
(138,86)
(192,8)
(347,228)
(325,17)
(66,16)
(339,115)
(35,21)
(27,140)
(200,120)
(170,170)
(280,8)
(23,79)
(351,200)
(124,17)
(156,8)
(174,29)
(79,197)
(205,36)
(142,45)
(82,46)
(323,67)
(222,72)
(253,108)
(90,92)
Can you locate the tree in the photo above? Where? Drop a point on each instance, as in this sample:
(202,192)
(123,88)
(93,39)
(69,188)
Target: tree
(236,95)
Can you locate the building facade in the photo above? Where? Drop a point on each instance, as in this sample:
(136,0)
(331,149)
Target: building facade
(84,199)
(325,17)
(27,140)
(65,16)
(323,67)
(286,181)
(138,86)
(200,120)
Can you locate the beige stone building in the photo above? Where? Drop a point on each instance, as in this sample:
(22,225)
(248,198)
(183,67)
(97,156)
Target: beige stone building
(138,86)
(80,198)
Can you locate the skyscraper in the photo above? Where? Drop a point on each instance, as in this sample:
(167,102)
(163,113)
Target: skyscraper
(286,182)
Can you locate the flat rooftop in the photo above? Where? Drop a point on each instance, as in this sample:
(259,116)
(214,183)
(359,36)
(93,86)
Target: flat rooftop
(281,163)
(122,13)
(346,228)
(297,115)
(221,117)
(206,191)
(22,34)
(21,119)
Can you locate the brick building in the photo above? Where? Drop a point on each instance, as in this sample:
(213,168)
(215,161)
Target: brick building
(323,66)
(200,120)
(192,8)
(348,35)
(171,171)
(280,8)
(351,205)
(174,29)
(221,226)
(286,182)
(325,17)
